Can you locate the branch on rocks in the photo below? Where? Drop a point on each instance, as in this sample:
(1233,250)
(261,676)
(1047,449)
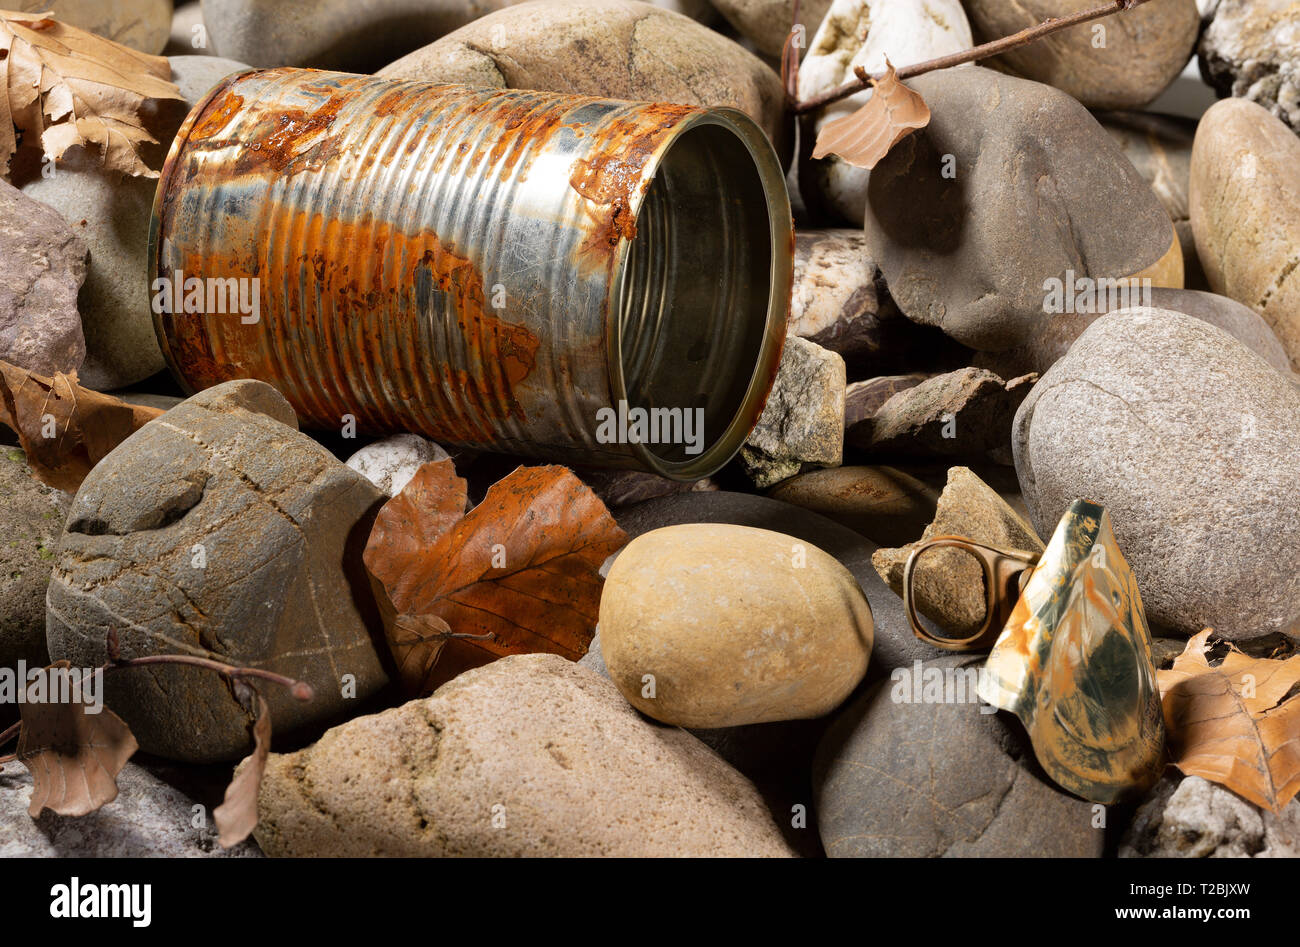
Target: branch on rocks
(975,54)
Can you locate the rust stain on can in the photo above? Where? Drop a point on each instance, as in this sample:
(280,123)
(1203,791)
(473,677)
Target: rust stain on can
(429,258)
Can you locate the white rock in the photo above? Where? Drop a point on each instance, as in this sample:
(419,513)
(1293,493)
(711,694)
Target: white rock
(1201,819)
(861,33)
(391,463)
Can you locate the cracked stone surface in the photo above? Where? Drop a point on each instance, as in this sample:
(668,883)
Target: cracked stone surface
(1245,207)
(1195,818)
(219,530)
(1190,440)
(42,266)
(803,420)
(529,756)
(926,780)
(1251,50)
(616,49)
(148,819)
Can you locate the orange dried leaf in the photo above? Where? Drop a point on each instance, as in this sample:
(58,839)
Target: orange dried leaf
(891,114)
(74,756)
(519,573)
(1225,723)
(236,817)
(64,86)
(63,428)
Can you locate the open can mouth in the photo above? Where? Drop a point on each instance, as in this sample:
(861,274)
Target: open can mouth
(642,252)
(703,292)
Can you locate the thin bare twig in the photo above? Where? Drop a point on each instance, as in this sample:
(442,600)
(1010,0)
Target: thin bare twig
(986,51)
(299,689)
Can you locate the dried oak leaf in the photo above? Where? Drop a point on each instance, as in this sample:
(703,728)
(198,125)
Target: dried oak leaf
(891,114)
(74,756)
(63,428)
(66,87)
(236,817)
(520,572)
(1225,723)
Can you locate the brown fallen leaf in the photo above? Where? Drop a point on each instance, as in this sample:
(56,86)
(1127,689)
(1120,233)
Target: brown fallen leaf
(236,817)
(63,428)
(66,87)
(1225,723)
(519,573)
(891,114)
(74,756)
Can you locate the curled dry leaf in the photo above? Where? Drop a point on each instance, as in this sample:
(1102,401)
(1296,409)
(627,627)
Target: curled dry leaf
(891,114)
(65,87)
(519,573)
(74,756)
(1225,723)
(236,817)
(63,428)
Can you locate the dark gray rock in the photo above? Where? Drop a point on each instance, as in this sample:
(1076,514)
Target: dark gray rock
(961,414)
(925,780)
(218,530)
(1013,183)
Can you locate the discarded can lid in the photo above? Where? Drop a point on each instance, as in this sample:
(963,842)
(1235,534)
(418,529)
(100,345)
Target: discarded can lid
(1074,657)
(557,276)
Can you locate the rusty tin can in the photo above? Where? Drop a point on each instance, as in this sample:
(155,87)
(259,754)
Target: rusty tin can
(510,270)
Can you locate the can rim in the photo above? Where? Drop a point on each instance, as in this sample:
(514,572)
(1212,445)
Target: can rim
(780,284)
(155,216)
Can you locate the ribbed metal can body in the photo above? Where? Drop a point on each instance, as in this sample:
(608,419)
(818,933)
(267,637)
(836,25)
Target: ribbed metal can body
(510,270)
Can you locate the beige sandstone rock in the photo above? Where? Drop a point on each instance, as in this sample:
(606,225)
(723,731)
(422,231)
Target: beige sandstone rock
(529,756)
(1245,207)
(1140,52)
(734,625)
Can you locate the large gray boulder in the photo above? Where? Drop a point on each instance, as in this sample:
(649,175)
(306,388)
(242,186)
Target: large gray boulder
(218,530)
(1190,440)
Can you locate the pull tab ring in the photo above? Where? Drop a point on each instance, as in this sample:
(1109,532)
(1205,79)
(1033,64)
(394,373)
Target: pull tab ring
(1005,572)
